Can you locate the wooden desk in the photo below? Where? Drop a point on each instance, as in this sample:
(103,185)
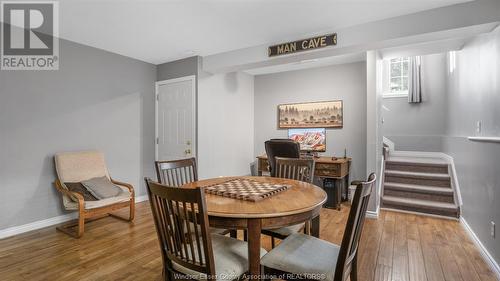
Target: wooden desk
(300,203)
(325,167)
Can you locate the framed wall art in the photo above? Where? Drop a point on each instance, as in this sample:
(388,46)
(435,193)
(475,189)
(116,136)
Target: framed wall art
(324,114)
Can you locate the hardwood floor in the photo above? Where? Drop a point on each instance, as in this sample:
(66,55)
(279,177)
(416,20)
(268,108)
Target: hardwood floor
(397,246)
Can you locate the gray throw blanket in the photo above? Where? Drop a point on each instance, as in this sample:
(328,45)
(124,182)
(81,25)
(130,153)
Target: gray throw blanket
(102,188)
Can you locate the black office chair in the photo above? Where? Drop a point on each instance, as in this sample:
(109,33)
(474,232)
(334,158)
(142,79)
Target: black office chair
(280,148)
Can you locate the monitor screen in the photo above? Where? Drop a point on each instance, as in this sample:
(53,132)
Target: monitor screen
(313,139)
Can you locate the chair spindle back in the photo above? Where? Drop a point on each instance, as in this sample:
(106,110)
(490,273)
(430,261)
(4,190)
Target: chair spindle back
(295,169)
(350,241)
(177,172)
(174,209)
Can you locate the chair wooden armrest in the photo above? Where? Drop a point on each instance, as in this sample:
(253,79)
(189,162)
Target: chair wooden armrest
(132,198)
(356,182)
(73,195)
(77,166)
(124,184)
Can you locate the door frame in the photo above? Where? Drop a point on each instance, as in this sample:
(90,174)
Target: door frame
(191,78)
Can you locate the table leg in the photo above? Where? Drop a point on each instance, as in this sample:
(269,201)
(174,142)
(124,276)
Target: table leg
(315,227)
(346,182)
(254,228)
(338,188)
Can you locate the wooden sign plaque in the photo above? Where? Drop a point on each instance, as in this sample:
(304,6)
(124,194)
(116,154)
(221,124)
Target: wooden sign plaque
(303,45)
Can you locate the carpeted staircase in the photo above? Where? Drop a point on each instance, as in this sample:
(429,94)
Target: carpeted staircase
(420,185)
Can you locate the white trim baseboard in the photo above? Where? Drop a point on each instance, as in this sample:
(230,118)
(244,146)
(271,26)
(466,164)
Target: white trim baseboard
(15,230)
(420,214)
(389,144)
(484,252)
(141,198)
(372,214)
(20,229)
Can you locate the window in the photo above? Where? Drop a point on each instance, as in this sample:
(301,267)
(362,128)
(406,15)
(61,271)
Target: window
(398,76)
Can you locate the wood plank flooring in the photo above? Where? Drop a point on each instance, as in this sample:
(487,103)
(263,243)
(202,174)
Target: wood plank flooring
(397,246)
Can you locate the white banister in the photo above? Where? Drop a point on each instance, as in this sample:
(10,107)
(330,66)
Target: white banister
(485,139)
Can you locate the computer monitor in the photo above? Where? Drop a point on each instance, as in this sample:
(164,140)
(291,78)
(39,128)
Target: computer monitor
(310,139)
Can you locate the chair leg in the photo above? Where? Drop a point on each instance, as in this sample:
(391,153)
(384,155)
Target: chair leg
(307,228)
(79,224)
(132,209)
(354,269)
(166,275)
(131,212)
(233,233)
(273,242)
(245,235)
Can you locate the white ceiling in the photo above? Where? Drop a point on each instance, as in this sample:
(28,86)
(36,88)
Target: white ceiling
(161,31)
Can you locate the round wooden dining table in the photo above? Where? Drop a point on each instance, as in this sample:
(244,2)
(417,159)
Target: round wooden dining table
(300,203)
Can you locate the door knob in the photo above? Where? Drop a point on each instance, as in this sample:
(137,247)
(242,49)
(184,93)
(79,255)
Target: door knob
(187,151)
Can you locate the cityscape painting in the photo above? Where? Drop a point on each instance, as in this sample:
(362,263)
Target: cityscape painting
(327,114)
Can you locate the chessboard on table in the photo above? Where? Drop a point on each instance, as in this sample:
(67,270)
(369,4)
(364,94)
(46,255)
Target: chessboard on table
(245,189)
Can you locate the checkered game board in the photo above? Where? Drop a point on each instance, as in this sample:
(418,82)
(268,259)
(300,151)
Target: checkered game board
(244,189)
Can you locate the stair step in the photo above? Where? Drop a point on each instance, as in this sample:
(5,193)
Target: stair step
(420,196)
(434,176)
(414,159)
(421,206)
(417,178)
(418,188)
(422,167)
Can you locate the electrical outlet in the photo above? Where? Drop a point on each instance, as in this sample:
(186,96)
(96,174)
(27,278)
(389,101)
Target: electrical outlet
(478,127)
(492,229)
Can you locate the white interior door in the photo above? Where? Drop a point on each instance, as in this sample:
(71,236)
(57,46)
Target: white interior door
(175,118)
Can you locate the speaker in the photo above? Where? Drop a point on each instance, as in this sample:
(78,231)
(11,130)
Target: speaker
(333,194)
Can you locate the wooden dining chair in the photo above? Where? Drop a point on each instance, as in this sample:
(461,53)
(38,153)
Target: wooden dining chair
(177,173)
(303,256)
(280,148)
(195,254)
(295,169)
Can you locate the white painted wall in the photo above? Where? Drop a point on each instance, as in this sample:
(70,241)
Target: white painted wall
(474,95)
(225,124)
(374,122)
(420,127)
(345,82)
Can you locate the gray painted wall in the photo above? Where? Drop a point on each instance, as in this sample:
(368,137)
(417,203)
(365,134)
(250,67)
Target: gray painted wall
(474,95)
(226,123)
(178,68)
(420,127)
(96,100)
(346,82)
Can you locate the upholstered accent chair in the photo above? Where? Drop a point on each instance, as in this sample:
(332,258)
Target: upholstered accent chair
(75,167)
(306,257)
(295,169)
(193,253)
